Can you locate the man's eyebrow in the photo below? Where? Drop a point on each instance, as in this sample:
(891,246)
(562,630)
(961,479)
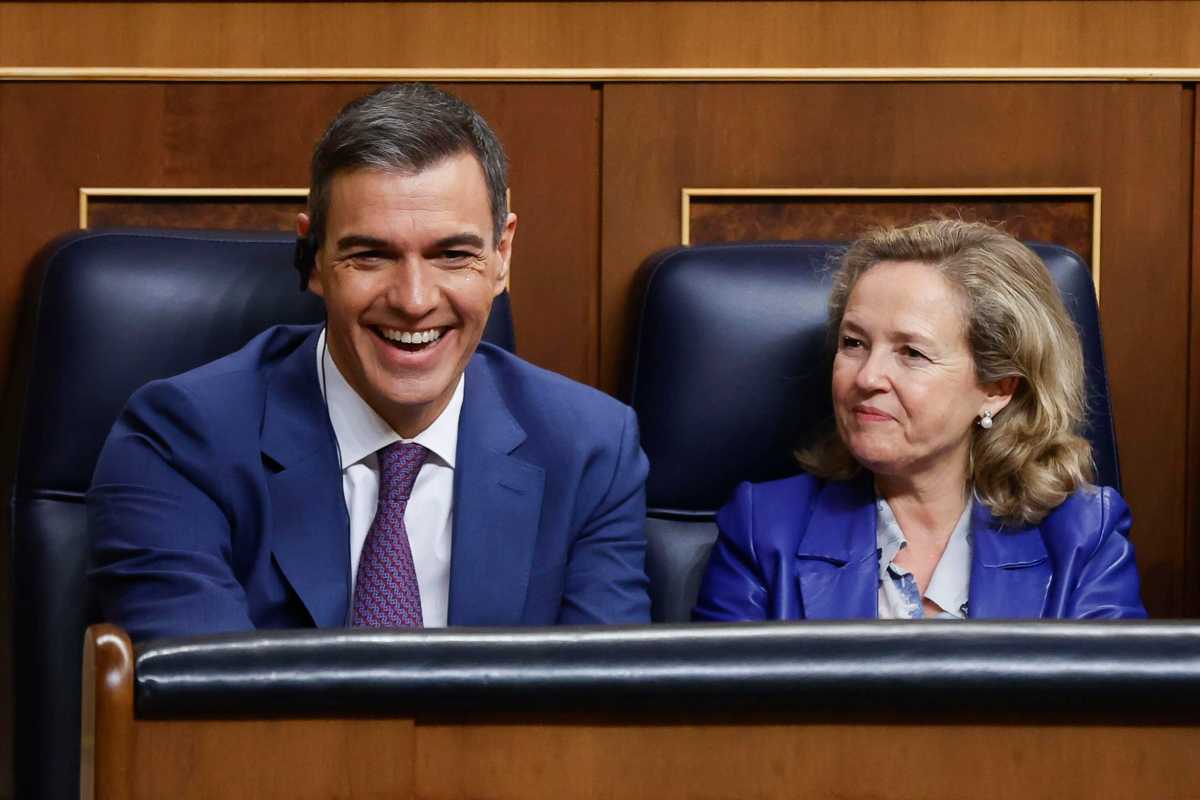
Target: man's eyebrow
(461,239)
(360,240)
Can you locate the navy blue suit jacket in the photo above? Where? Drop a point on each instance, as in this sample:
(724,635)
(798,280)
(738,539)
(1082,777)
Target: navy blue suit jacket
(804,548)
(217,501)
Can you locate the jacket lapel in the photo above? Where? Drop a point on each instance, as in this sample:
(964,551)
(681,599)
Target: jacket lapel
(309,527)
(1010,569)
(837,567)
(497,506)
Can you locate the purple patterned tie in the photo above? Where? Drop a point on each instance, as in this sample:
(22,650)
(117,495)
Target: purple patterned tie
(386,594)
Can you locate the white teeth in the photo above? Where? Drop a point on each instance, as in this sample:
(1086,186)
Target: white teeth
(411,337)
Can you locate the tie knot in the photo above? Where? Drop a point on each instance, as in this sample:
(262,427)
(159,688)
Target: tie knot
(399,464)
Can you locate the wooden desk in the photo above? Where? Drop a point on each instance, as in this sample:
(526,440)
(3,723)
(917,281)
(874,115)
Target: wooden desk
(613,749)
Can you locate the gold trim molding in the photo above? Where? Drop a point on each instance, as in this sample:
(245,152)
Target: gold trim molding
(86,193)
(1092,192)
(603,74)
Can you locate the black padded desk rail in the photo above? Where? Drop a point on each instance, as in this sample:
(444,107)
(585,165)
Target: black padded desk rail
(1128,668)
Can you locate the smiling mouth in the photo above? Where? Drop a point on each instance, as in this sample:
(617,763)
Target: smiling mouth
(410,341)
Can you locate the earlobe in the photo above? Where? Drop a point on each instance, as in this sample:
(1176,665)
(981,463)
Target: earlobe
(314,281)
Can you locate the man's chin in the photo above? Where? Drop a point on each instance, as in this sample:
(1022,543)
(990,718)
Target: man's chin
(412,404)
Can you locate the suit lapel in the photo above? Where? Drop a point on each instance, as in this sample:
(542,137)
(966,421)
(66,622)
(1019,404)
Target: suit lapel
(836,564)
(310,526)
(1010,569)
(497,507)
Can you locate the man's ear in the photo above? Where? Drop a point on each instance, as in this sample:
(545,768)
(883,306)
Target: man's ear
(306,254)
(1000,393)
(504,250)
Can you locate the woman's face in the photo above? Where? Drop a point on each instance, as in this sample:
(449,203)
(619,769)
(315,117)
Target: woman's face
(904,388)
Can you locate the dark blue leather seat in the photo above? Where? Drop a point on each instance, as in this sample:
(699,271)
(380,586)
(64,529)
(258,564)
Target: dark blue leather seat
(730,373)
(108,311)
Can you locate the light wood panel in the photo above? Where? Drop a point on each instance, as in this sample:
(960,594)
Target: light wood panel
(859,758)
(1130,140)
(998,33)
(202,759)
(55,138)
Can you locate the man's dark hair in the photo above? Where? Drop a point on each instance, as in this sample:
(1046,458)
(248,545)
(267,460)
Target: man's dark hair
(405,127)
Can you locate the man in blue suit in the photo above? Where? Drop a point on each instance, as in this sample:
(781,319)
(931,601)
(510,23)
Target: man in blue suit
(386,468)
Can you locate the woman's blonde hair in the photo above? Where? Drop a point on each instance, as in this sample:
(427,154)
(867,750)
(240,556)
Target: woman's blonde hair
(1033,457)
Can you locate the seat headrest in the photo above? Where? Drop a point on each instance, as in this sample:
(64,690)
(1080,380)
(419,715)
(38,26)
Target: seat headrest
(731,371)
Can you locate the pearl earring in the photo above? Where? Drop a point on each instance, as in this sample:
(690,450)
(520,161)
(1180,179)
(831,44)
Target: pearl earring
(985,420)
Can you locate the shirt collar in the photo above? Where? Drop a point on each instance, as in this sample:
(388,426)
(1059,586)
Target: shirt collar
(360,431)
(949,586)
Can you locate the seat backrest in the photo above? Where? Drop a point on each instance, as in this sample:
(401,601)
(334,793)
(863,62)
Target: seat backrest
(730,372)
(108,311)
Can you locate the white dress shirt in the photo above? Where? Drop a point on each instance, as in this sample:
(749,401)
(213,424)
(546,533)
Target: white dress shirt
(429,516)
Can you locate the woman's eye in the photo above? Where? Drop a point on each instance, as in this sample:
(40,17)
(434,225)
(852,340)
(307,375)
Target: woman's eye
(912,352)
(851,343)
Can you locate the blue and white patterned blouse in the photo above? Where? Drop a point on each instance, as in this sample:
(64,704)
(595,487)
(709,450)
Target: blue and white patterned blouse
(948,588)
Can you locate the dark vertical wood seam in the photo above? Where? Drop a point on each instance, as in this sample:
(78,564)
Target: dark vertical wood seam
(1190,574)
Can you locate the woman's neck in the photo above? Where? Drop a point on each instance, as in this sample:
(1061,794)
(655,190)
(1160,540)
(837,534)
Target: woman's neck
(927,507)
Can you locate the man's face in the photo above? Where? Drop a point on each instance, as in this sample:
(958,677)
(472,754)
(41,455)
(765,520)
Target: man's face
(408,272)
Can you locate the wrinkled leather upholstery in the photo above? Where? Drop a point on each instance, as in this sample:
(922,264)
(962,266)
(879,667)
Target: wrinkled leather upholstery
(1122,669)
(730,373)
(108,311)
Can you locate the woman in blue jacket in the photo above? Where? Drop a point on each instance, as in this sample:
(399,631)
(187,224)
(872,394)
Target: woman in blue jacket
(956,484)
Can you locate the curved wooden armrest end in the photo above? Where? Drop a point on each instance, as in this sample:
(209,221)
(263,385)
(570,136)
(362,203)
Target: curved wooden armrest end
(106,721)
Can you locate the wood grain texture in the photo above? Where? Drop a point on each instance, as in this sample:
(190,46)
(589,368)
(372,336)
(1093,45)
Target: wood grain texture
(274,760)
(998,33)
(183,212)
(107,763)
(1063,221)
(55,138)
(557,757)
(805,758)
(1127,139)
(1192,555)
(129,759)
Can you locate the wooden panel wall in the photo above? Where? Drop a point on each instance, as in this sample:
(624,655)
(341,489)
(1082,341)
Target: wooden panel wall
(1192,566)
(997,33)
(57,137)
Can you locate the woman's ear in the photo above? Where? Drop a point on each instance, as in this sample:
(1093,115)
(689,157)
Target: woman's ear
(1000,393)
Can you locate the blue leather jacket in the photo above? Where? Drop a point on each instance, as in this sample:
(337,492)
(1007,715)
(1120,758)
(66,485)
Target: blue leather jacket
(804,548)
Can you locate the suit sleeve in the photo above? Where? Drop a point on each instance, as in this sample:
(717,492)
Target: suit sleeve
(733,588)
(606,574)
(1108,586)
(161,561)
